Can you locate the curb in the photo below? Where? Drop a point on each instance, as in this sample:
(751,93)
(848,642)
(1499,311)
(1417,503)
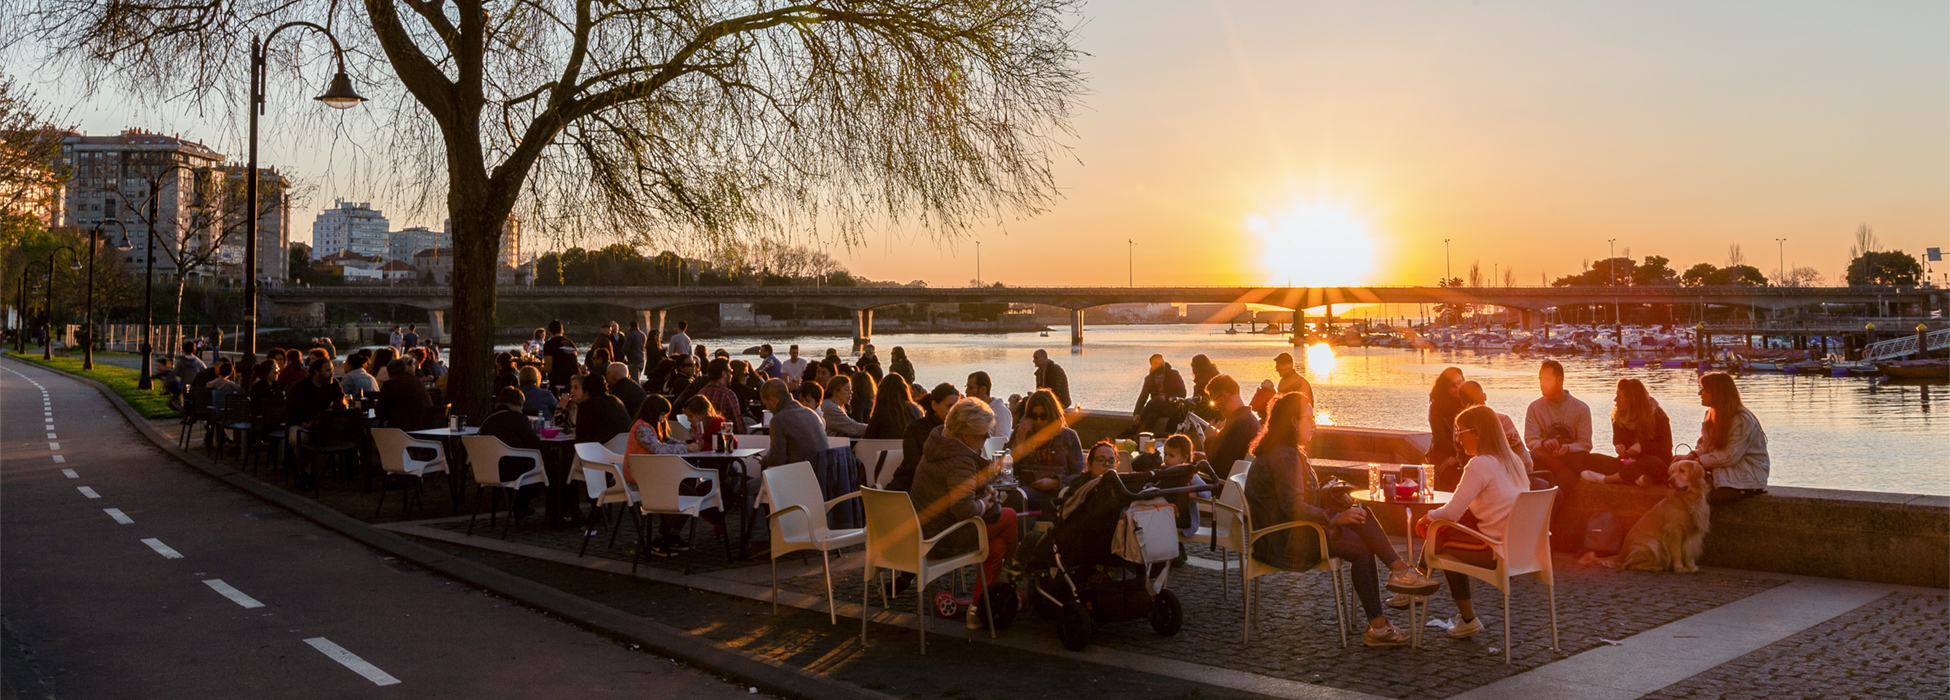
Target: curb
(764,674)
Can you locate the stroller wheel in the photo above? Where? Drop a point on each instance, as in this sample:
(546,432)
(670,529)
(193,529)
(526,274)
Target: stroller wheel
(1073,627)
(1167,615)
(1006,603)
(946,605)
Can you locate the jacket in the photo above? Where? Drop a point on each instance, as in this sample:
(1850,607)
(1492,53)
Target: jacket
(403,403)
(1052,377)
(838,423)
(1741,462)
(1277,490)
(950,485)
(797,435)
(913,443)
(1162,383)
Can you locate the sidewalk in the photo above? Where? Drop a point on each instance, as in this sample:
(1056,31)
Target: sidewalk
(1622,634)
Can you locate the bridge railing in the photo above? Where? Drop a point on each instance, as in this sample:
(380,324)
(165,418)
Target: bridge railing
(1905,346)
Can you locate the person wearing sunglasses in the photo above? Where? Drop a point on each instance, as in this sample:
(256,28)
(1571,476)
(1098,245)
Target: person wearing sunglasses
(1047,452)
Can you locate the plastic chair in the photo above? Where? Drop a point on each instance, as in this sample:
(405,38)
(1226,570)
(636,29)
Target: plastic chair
(679,430)
(395,461)
(658,478)
(196,411)
(884,467)
(868,454)
(799,523)
(1225,532)
(753,465)
(619,444)
(1250,568)
(484,453)
(894,543)
(1525,549)
(596,464)
(993,446)
(834,442)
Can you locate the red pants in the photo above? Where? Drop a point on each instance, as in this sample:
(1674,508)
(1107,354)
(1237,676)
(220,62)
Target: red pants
(1002,544)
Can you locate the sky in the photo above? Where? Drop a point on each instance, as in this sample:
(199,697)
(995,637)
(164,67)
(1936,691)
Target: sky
(1233,142)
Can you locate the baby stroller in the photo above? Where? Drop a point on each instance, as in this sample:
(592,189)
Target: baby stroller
(1108,557)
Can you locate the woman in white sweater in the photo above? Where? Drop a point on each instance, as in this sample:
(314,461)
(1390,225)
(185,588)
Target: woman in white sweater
(1491,480)
(1731,446)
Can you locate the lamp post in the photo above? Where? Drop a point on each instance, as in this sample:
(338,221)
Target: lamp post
(1447,271)
(338,95)
(20,309)
(1130,263)
(47,342)
(1780,269)
(88,345)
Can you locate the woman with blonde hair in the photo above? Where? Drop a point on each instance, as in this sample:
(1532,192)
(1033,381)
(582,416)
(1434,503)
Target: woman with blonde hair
(1642,435)
(1491,480)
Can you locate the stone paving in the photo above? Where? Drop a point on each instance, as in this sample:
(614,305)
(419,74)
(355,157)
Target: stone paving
(1895,647)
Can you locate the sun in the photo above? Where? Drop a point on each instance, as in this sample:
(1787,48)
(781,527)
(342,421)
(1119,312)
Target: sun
(1315,244)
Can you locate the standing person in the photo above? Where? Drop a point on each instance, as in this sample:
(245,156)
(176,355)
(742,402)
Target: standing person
(1642,435)
(559,356)
(1731,446)
(768,363)
(1051,376)
(797,431)
(1047,452)
(1239,426)
(395,338)
(1473,395)
(839,395)
(1290,379)
(1484,497)
(605,343)
(952,484)
(934,411)
(680,342)
(412,338)
(794,367)
(533,348)
(1161,385)
(981,387)
(1280,488)
(1557,428)
(893,409)
(717,390)
(1203,370)
(898,364)
(633,356)
(188,365)
(1445,403)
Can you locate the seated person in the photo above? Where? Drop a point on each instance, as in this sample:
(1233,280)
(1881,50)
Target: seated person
(915,439)
(511,427)
(1048,454)
(797,431)
(1732,447)
(650,435)
(535,397)
(705,423)
(1491,480)
(598,416)
(839,395)
(1641,433)
(1281,488)
(952,484)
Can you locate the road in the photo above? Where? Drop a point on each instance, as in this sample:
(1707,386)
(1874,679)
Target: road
(126,574)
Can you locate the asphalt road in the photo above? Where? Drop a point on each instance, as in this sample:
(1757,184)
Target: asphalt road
(124,574)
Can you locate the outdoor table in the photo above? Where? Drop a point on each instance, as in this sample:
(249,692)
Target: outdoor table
(1411,510)
(456,457)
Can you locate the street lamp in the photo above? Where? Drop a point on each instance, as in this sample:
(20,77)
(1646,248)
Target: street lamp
(1780,271)
(1131,263)
(47,338)
(88,345)
(338,95)
(20,309)
(1447,271)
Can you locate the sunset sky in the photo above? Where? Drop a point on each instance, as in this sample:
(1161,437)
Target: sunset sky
(1341,142)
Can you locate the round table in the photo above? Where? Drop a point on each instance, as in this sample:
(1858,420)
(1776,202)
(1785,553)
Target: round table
(1412,509)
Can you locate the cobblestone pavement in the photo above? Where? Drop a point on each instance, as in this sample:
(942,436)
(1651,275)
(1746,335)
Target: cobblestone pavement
(1895,647)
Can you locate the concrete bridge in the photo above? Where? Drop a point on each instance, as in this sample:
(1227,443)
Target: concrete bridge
(653,302)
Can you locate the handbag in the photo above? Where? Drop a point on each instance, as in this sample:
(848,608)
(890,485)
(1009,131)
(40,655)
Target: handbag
(1148,533)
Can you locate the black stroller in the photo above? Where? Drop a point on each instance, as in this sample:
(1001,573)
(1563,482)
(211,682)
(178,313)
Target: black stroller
(1082,573)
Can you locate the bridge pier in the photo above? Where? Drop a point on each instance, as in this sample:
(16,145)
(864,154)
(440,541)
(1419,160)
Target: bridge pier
(862,328)
(1297,327)
(1076,331)
(653,322)
(439,317)
(1327,333)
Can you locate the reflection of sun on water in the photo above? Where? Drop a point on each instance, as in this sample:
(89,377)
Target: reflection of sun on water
(1323,418)
(1320,359)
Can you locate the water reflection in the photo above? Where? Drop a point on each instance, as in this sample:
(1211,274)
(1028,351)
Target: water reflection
(1321,361)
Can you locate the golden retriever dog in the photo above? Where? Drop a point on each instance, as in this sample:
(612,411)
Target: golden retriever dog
(1671,535)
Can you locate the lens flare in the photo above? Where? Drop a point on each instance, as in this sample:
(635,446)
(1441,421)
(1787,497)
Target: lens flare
(1320,359)
(1315,244)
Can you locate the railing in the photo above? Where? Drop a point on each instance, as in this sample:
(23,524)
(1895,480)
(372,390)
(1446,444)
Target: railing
(1905,346)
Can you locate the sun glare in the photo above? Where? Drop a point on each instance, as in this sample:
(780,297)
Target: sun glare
(1320,359)
(1314,244)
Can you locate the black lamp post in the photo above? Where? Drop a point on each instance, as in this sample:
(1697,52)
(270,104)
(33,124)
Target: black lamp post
(20,309)
(47,337)
(339,95)
(88,345)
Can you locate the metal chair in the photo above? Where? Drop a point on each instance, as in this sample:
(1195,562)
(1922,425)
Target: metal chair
(1251,569)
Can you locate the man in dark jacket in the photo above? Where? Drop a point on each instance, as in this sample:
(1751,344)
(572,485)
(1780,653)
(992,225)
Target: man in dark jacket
(633,356)
(797,431)
(1050,375)
(1236,437)
(512,428)
(626,391)
(600,416)
(1154,400)
(403,399)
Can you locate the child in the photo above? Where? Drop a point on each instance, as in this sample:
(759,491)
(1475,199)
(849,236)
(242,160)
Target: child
(1178,452)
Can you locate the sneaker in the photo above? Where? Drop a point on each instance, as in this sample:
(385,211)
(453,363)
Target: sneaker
(1384,637)
(1463,629)
(1412,582)
(974,618)
(661,550)
(1399,601)
(1593,477)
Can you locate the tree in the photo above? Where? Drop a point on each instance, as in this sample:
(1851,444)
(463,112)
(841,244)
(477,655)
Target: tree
(1700,275)
(31,171)
(1802,277)
(677,118)
(1655,272)
(1893,268)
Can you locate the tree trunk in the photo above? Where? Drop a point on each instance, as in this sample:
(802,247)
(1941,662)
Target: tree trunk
(477,218)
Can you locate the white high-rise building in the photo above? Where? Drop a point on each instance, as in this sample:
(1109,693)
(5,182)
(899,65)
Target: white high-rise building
(403,244)
(353,227)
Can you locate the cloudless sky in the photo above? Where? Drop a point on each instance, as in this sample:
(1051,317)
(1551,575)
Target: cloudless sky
(1248,142)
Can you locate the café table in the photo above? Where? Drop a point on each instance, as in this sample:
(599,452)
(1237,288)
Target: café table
(456,456)
(1411,509)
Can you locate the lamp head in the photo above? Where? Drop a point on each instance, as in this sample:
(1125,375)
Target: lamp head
(340,94)
(74,264)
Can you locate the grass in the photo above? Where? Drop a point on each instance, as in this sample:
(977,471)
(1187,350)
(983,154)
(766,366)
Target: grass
(121,380)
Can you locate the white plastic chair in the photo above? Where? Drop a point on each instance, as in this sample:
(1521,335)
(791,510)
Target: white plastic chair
(993,446)
(883,470)
(799,523)
(484,453)
(597,466)
(657,480)
(619,444)
(1225,530)
(868,452)
(1525,549)
(391,444)
(834,442)
(1250,568)
(894,543)
(679,430)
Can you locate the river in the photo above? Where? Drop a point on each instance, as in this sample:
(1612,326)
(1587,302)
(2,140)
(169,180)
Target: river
(1841,433)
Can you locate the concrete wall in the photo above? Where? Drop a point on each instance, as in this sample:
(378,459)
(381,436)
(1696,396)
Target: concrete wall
(1858,535)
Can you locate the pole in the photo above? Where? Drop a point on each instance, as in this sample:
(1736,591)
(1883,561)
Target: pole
(255,108)
(978,263)
(1448,273)
(1780,269)
(88,344)
(143,380)
(47,348)
(1131,263)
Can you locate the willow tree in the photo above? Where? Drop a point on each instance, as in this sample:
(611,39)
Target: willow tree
(658,118)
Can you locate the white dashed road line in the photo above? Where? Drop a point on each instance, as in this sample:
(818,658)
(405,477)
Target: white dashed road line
(236,596)
(58,459)
(70,474)
(88,491)
(352,661)
(162,549)
(54,447)
(120,517)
